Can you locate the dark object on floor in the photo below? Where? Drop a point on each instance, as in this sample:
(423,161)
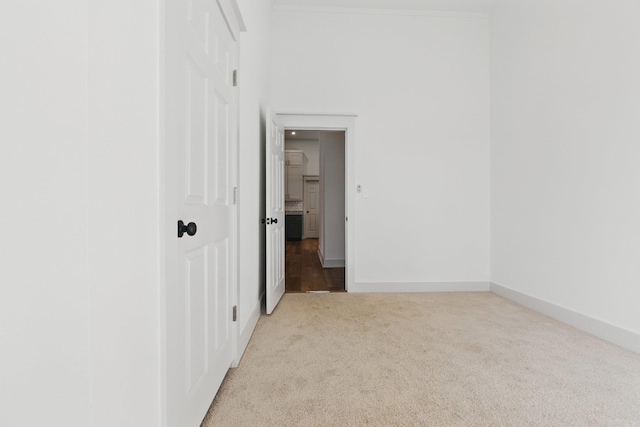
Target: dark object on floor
(293,227)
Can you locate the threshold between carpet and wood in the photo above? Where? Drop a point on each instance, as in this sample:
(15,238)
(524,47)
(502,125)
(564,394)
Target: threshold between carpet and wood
(432,359)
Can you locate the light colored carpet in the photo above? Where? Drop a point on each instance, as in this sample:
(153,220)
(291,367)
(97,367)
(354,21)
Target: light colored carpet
(450,359)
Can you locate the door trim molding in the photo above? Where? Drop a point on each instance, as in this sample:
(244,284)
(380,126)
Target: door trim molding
(342,122)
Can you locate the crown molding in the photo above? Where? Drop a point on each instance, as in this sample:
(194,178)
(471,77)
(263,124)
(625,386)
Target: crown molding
(366,11)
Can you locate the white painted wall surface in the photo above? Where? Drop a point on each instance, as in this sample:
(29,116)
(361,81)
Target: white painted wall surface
(311,151)
(45,363)
(332,201)
(123,108)
(420,88)
(253,89)
(565,98)
(79,303)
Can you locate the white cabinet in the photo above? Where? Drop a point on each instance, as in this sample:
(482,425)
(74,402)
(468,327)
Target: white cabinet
(294,160)
(294,157)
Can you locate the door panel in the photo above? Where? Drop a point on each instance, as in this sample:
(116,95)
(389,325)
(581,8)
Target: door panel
(275,212)
(199,145)
(196,266)
(196,139)
(294,183)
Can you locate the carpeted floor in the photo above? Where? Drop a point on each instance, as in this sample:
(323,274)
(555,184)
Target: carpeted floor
(437,359)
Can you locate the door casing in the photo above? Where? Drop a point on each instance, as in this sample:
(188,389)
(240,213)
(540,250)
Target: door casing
(336,122)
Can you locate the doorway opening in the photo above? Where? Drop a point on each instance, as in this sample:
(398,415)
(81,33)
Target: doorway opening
(315,210)
(276,128)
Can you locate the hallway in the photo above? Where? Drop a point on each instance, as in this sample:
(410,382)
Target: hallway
(303,271)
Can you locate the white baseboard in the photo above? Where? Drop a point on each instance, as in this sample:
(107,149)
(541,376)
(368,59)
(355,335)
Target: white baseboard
(333,263)
(606,331)
(330,263)
(403,287)
(245,335)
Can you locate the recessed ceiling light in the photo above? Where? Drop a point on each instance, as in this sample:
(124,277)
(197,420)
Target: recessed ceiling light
(293,133)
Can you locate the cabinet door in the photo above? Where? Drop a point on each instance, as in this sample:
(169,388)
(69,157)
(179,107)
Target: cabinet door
(294,183)
(295,159)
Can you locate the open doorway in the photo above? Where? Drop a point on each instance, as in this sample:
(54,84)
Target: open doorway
(315,211)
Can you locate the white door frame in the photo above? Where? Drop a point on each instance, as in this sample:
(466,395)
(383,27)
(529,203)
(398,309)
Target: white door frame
(346,123)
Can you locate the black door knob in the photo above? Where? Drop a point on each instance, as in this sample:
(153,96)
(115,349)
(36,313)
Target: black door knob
(274,220)
(190,228)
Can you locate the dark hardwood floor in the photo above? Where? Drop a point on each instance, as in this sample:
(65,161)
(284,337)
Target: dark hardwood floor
(303,271)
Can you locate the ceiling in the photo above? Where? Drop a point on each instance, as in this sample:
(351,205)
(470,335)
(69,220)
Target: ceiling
(301,135)
(476,6)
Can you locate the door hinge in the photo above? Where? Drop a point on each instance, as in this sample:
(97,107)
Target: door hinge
(235,313)
(235,195)
(235,77)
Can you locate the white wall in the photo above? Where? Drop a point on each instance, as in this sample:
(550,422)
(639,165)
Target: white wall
(44,301)
(332,193)
(78,186)
(420,88)
(123,107)
(311,150)
(565,103)
(253,87)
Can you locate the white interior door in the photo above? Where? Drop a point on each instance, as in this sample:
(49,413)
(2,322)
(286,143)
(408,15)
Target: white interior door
(275,212)
(200,54)
(311,208)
